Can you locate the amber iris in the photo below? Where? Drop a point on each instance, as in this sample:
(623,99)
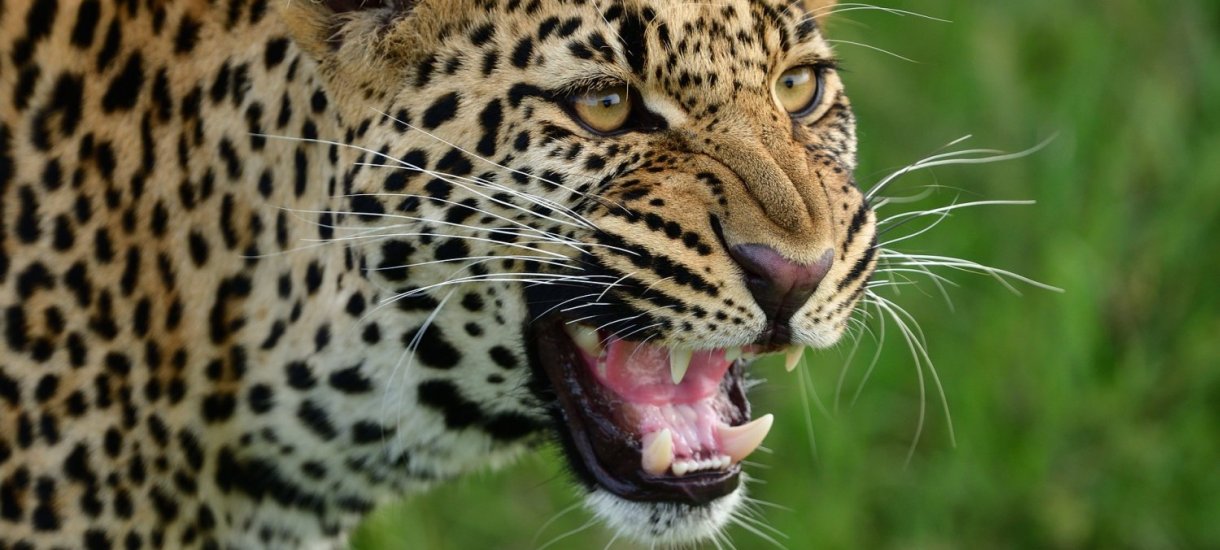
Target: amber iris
(604,110)
(797,88)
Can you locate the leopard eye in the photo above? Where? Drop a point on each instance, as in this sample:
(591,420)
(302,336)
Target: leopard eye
(604,110)
(797,89)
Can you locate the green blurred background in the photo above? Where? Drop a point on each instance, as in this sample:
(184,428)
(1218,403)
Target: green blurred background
(1089,418)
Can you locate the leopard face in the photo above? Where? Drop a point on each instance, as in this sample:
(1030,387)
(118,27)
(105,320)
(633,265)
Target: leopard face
(365,247)
(671,201)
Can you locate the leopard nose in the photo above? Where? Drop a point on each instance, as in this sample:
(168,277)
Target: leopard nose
(779,285)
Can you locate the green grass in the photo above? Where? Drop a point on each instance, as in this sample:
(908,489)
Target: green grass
(1089,418)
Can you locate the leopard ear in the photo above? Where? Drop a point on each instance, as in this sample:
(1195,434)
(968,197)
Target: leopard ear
(325,26)
(364,47)
(345,6)
(819,8)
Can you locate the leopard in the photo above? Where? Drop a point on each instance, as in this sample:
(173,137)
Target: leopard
(266,265)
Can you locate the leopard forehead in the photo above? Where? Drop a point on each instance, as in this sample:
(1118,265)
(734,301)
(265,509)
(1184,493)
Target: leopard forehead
(265,264)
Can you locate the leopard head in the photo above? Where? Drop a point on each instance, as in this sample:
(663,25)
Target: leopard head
(629,200)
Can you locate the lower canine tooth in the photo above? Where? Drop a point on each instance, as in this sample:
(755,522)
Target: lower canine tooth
(679,361)
(739,441)
(792,357)
(658,452)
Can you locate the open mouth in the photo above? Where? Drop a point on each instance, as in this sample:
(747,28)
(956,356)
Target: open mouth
(647,422)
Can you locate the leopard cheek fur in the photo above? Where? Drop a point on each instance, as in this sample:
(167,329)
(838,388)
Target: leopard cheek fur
(229,237)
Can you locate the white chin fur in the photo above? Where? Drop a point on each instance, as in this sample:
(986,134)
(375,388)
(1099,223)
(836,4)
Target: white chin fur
(664,523)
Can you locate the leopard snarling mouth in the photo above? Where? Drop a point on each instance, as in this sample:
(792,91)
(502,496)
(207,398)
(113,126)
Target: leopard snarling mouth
(645,422)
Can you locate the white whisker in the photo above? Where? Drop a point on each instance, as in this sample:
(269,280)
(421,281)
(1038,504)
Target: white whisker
(639,347)
(760,502)
(637,331)
(555,518)
(876,354)
(922,359)
(845,7)
(532,278)
(587,525)
(808,416)
(1000,275)
(855,346)
(948,159)
(514,170)
(569,300)
(874,48)
(581,222)
(755,520)
(941,214)
(740,522)
(523,245)
(408,354)
(458,181)
(523,226)
(525,231)
(616,334)
(478,260)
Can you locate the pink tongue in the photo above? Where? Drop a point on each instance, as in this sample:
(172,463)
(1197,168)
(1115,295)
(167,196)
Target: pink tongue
(640,373)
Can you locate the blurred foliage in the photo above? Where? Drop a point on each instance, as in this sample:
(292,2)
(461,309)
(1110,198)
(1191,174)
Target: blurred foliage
(1089,418)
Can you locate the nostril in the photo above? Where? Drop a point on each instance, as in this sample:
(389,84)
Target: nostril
(779,285)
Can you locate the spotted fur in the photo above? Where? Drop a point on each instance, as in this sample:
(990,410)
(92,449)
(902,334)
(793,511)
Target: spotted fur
(263,265)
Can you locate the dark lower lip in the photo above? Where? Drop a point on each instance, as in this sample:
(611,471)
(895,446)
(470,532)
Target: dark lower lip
(615,467)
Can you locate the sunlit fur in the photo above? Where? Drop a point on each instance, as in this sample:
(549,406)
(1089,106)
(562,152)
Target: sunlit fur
(264,263)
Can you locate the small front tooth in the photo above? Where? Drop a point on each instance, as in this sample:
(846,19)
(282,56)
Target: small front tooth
(679,361)
(586,338)
(681,467)
(658,452)
(732,354)
(792,357)
(739,441)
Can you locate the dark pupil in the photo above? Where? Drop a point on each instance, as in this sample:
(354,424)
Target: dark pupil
(610,101)
(790,81)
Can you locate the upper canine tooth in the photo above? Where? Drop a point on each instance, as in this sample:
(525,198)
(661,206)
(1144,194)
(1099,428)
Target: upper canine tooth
(792,357)
(732,354)
(739,441)
(586,338)
(658,452)
(679,361)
